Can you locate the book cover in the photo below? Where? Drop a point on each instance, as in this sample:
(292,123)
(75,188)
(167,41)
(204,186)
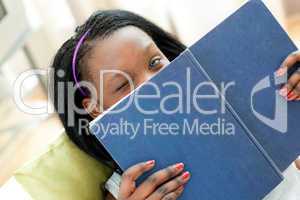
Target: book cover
(246,49)
(230,151)
(223,161)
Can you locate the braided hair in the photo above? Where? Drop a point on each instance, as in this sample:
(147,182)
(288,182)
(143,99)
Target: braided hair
(100,25)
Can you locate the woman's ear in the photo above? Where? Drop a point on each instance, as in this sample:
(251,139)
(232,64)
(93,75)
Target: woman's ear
(91,107)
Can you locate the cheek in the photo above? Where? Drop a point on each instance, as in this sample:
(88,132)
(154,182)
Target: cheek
(103,98)
(110,100)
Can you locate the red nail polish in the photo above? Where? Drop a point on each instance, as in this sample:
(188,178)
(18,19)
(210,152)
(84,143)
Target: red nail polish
(291,95)
(179,166)
(294,97)
(150,162)
(186,175)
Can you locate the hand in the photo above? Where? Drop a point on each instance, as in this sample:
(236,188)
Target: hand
(291,90)
(166,184)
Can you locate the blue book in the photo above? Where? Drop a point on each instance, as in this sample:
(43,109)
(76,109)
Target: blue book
(227,140)
(248,48)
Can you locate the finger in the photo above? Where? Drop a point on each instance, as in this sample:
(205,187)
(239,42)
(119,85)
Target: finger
(156,179)
(292,96)
(292,59)
(173,195)
(296,91)
(170,186)
(129,177)
(290,85)
(297,163)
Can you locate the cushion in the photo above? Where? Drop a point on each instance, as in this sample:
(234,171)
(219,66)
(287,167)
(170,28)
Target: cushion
(64,172)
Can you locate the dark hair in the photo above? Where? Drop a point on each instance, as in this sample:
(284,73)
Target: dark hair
(101,24)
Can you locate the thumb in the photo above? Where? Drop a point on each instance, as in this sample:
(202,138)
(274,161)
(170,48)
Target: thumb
(129,177)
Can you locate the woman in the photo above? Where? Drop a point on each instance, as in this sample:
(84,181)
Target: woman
(120,40)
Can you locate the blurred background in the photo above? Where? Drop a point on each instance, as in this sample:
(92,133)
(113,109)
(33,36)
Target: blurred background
(32,30)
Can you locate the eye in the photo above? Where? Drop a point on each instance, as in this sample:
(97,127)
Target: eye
(155,62)
(122,86)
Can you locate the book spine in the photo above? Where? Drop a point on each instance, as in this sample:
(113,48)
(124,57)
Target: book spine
(230,108)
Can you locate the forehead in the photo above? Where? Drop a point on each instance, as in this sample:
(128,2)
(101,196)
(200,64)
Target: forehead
(123,47)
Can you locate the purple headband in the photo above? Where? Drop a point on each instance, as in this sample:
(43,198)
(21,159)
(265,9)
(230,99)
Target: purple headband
(74,62)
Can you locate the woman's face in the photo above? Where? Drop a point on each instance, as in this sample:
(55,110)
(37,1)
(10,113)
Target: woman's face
(129,50)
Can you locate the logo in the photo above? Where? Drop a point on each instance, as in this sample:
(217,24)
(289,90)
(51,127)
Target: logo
(279,122)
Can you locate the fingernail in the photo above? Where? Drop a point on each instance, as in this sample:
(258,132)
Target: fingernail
(179,166)
(185,176)
(280,72)
(150,162)
(283,92)
(291,96)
